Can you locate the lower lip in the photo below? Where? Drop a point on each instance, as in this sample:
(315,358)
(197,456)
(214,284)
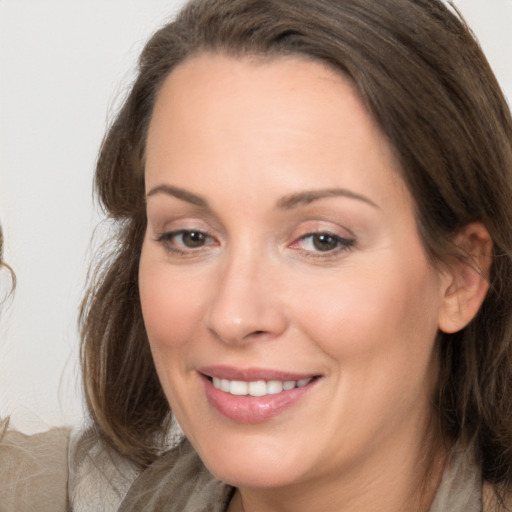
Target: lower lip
(252,409)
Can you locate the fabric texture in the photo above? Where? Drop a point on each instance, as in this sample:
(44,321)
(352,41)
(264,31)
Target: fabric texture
(461,485)
(177,482)
(33,471)
(98,478)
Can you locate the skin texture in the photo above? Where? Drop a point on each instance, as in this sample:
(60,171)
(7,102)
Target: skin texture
(243,136)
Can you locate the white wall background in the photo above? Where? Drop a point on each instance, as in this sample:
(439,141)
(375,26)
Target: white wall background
(64,64)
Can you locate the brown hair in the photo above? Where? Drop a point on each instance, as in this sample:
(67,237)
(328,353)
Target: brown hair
(427,83)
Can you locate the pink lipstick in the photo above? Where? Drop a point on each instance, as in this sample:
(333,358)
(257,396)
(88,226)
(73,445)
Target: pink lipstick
(253,395)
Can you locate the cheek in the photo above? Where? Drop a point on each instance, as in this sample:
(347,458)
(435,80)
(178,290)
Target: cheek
(386,312)
(172,305)
(378,329)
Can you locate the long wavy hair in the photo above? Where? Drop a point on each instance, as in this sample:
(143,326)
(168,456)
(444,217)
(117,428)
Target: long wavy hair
(425,80)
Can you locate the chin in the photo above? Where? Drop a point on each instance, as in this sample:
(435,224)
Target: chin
(252,463)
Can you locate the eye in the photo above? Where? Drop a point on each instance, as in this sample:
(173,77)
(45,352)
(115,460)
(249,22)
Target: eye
(185,240)
(323,242)
(192,239)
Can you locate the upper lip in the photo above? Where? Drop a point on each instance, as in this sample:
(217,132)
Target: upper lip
(252,374)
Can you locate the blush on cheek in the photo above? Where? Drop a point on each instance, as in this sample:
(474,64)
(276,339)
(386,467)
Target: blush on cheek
(171,312)
(377,314)
(348,322)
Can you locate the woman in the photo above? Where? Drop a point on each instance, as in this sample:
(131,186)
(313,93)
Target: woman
(313,267)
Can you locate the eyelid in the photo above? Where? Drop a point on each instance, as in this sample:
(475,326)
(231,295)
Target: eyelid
(164,222)
(320,226)
(346,239)
(166,235)
(167,238)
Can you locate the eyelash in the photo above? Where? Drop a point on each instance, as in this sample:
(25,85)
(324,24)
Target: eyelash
(168,241)
(341,244)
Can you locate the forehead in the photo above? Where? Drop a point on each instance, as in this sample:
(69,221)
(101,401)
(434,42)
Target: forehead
(292,115)
(268,93)
(205,83)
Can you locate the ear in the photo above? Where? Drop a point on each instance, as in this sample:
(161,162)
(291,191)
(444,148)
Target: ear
(467,278)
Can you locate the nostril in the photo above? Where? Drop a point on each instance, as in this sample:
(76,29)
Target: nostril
(258,334)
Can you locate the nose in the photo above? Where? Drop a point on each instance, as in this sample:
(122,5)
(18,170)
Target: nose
(246,303)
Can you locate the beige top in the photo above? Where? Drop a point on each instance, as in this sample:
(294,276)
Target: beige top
(177,482)
(33,471)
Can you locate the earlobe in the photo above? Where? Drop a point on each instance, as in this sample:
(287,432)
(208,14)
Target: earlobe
(467,278)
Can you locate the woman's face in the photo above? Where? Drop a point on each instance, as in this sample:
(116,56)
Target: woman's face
(289,303)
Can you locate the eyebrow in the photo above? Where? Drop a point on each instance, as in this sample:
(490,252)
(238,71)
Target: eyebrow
(179,193)
(288,202)
(309,196)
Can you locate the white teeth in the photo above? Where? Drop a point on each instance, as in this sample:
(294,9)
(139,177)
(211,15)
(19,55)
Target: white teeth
(258,387)
(238,387)
(303,382)
(274,387)
(289,384)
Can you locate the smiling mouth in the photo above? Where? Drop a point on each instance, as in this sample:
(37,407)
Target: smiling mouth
(257,388)
(254,395)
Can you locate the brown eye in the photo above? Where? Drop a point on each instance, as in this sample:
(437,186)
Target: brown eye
(185,240)
(325,242)
(193,239)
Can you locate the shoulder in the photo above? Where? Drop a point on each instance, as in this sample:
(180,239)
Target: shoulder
(98,477)
(177,482)
(33,470)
